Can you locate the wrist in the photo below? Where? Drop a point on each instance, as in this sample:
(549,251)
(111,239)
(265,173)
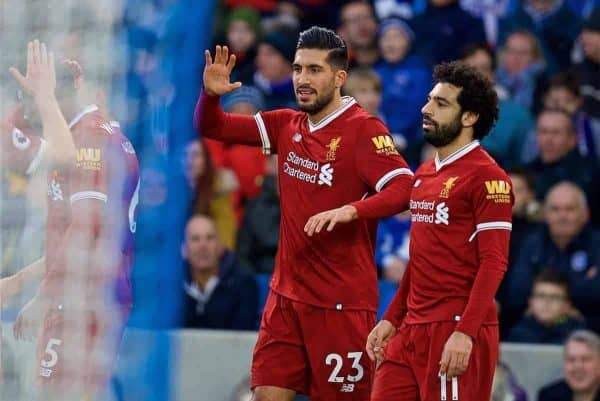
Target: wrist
(352,211)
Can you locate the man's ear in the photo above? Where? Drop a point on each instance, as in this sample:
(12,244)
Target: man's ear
(340,78)
(469,118)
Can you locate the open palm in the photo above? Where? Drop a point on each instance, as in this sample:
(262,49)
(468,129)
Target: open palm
(217,73)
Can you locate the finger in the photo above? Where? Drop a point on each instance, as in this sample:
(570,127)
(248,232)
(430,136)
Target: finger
(36,52)
(225,54)
(51,65)
(231,63)
(313,225)
(43,54)
(218,53)
(369,347)
(332,223)
(29,58)
(207,57)
(322,221)
(235,85)
(19,78)
(444,363)
(307,225)
(452,366)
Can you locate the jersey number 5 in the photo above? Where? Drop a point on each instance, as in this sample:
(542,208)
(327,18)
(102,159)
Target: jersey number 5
(337,361)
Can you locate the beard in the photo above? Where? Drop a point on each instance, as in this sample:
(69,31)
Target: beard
(443,135)
(320,102)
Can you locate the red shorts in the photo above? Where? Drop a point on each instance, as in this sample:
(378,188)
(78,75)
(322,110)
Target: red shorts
(410,369)
(78,352)
(314,351)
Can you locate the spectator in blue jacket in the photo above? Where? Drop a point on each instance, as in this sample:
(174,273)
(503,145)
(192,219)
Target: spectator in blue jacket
(566,243)
(550,316)
(554,24)
(407,81)
(219,293)
(391,250)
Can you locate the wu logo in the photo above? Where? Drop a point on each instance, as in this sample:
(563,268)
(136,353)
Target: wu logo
(88,155)
(497,187)
(442,214)
(326,175)
(382,142)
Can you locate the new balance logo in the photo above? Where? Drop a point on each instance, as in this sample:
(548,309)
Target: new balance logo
(326,175)
(347,388)
(442,214)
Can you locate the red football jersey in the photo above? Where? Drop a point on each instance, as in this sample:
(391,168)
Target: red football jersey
(106,170)
(347,156)
(453,202)
(21,150)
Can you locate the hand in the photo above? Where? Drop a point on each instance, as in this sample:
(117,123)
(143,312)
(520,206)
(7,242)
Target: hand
(28,322)
(344,214)
(455,357)
(9,287)
(216,75)
(379,338)
(40,78)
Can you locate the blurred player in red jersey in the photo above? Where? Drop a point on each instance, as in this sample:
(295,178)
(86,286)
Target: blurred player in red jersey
(85,295)
(332,155)
(440,333)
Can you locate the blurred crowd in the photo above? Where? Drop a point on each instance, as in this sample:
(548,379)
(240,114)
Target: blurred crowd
(146,57)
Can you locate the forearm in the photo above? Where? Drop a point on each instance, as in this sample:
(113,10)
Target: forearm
(393,199)
(32,272)
(212,122)
(493,262)
(60,145)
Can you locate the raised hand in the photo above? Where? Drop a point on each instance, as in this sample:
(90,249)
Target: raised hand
(217,73)
(40,77)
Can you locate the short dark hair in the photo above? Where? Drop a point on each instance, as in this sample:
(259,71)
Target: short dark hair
(317,37)
(553,276)
(524,173)
(567,80)
(477,95)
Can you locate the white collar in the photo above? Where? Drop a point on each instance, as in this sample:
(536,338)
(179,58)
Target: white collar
(455,155)
(87,109)
(347,102)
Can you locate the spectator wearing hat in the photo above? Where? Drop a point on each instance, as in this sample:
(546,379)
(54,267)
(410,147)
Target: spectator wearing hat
(273,75)
(243,31)
(246,162)
(567,243)
(589,69)
(408,80)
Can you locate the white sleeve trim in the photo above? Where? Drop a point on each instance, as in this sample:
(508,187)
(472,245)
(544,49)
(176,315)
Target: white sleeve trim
(387,177)
(88,195)
(492,225)
(264,137)
(39,156)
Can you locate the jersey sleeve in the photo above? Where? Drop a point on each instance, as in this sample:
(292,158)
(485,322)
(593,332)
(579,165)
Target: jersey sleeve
(22,151)
(377,159)
(270,124)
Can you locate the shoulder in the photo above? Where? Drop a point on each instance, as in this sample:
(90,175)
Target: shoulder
(425,167)
(95,126)
(485,166)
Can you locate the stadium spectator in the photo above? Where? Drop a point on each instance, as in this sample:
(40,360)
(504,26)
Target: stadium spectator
(554,24)
(391,249)
(407,81)
(522,69)
(559,159)
(364,85)
(549,319)
(515,123)
(212,190)
(587,70)
(243,32)
(581,369)
(564,93)
(445,22)
(566,243)
(358,28)
(258,236)
(505,386)
(245,162)
(273,75)
(220,292)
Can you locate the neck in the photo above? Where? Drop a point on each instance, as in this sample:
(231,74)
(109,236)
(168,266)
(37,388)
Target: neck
(365,55)
(202,277)
(335,104)
(588,395)
(561,241)
(465,137)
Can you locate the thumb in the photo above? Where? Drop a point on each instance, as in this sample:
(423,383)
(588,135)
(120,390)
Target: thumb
(19,77)
(235,85)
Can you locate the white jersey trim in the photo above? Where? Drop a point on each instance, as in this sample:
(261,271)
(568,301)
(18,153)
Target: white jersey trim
(391,174)
(37,160)
(86,110)
(347,102)
(492,225)
(88,195)
(264,136)
(454,156)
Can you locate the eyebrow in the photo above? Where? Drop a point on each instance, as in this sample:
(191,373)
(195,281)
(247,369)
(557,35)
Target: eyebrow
(308,66)
(439,99)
